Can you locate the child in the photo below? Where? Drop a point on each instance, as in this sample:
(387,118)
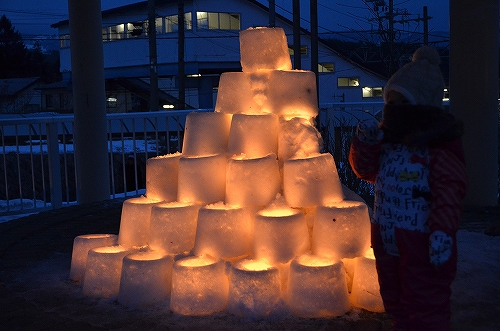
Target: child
(415,159)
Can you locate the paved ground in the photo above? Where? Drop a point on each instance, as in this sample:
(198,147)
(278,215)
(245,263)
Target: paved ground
(36,293)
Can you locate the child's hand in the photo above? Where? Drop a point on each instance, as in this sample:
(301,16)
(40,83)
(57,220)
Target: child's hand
(440,245)
(368,132)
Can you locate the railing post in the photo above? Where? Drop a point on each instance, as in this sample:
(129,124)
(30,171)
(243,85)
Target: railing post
(54,166)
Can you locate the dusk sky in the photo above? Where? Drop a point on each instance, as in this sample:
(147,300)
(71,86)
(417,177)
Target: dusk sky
(33,18)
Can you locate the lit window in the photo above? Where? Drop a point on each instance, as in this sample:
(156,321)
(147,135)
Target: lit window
(348,82)
(326,67)
(172,22)
(104,34)
(64,41)
(218,21)
(111,102)
(135,29)
(116,32)
(159,25)
(303,50)
(372,92)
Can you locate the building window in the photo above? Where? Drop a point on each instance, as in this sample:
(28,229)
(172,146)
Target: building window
(105,34)
(326,67)
(172,22)
(372,92)
(64,41)
(218,21)
(303,50)
(116,32)
(111,102)
(348,81)
(135,30)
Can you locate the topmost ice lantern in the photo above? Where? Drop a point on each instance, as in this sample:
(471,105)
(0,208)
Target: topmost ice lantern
(249,190)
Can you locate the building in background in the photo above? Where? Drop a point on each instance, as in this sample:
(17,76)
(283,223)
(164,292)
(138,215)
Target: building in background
(211,47)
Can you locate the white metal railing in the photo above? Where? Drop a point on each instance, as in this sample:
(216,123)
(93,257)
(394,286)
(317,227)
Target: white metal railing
(37,164)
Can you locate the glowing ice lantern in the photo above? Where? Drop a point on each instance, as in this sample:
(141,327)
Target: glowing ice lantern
(199,286)
(280,234)
(254,288)
(317,287)
(146,278)
(173,227)
(365,287)
(253,135)
(206,134)
(311,181)
(223,231)
(341,229)
(264,48)
(293,93)
(135,221)
(161,177)
(244,93)
(103,271)
(81,246)
(202,179)
(297,138)
(252,182)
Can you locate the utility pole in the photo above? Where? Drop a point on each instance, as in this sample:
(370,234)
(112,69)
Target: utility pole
(181,77)
(314,41)
(296,35)
(426,27)
(272,13)
(154,103)
(391,36)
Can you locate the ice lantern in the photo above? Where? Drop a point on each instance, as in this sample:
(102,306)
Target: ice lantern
(254,288)
(365,287)
(103,271)
(223,231)
(341,229)
(134,223)
(280,234)
(317,287)
(199,286)
(145,278)
(173,227)
(81,246)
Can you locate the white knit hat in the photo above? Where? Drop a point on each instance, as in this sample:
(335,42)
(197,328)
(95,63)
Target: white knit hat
(421,80)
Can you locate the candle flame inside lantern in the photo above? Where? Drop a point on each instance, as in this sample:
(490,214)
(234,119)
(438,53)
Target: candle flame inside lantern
(145,256)
(196,261)
(110,249)
(278,212)
(315,260)
(254,265)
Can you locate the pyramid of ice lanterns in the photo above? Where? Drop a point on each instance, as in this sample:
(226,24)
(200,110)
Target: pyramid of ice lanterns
(250,218)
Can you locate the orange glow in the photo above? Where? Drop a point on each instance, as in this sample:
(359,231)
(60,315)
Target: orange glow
(369,254)
(278,212)
(253,265)
(96,236)
(110,249)
(145,256)
(315,260)
(196,261)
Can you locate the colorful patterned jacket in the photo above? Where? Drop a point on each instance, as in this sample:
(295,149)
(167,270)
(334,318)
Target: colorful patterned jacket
(417,188)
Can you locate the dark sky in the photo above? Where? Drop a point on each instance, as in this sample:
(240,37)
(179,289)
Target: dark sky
(35,17)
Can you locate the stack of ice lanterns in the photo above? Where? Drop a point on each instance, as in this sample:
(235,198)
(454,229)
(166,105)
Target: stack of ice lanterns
(250,218)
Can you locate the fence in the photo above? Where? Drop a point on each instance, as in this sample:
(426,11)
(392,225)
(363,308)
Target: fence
(38,168)
(37,165)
